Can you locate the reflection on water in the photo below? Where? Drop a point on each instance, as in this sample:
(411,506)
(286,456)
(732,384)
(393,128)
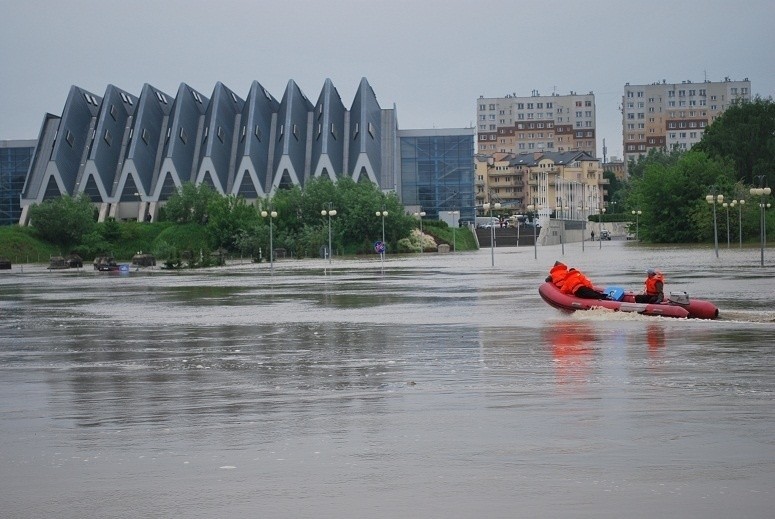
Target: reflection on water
(441,387)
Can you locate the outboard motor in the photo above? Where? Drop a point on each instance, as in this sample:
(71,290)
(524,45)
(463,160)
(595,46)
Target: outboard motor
(680,298)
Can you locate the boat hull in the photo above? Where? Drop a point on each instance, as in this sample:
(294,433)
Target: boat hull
(695,308)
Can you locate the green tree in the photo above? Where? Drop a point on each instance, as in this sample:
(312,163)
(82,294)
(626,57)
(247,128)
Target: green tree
(228,218)
(190,204)
(63,221)
(672,197)
(745,135)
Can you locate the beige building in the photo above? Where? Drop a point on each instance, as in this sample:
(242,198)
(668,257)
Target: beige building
(553,123)
(570,182)
(674,115)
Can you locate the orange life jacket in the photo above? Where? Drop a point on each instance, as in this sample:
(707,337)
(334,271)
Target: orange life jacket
(558,274)
(574,281)
(651,284)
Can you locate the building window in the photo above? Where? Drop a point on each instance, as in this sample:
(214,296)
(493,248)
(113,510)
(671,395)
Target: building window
(183,136)
(113,112)
(219,133)
(107,137)
(333,131)
(295,131)
(145,135)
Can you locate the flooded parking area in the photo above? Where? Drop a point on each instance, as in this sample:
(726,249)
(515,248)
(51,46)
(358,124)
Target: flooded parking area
(437,386)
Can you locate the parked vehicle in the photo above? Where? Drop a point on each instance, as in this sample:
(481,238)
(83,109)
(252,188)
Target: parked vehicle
(605,234)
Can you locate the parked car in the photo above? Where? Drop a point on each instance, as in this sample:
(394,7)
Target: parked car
(630,236)
(605,234)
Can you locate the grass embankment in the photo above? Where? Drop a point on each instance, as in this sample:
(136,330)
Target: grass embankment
(20,245)
(461,237)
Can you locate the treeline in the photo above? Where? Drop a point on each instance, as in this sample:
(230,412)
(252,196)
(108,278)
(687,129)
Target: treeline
(736,153)
(197,225)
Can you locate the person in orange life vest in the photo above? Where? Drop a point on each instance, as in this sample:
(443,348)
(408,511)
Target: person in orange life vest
(654,290)
(579,285)
(557,274)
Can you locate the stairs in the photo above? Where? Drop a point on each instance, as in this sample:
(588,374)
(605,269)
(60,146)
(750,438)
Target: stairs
(505,237)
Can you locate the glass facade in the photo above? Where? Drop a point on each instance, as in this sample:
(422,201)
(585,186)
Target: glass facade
(14,163)
(437,172)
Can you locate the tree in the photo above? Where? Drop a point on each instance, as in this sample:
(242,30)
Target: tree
(190,203)
(63,221)
(672,197)
(744,134)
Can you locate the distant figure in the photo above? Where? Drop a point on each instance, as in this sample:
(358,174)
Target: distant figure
(593,235)
(577,284)
(654,288)
(557,274)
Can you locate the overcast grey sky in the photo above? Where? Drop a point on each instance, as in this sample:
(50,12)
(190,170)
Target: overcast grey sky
(431,58)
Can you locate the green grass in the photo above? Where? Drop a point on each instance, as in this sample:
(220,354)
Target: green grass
(20,245)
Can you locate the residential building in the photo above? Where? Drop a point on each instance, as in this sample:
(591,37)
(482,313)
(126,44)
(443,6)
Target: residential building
(570,182)
(669,116)
(553,123)
(499,180)
(15,158)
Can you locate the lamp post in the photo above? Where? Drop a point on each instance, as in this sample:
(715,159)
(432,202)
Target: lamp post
(725,205)
(713,199)
(532,209)
(560,216)
(761,192)
(420,215)
(383,214)
(600,227)
(739,203)
(583,229)
(330,212)
(489,207)
(272,215)
(636,213)
(454,225)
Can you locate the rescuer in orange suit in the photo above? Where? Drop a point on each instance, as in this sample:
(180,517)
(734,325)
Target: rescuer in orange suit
(654,290)
(577,284)
(557,274)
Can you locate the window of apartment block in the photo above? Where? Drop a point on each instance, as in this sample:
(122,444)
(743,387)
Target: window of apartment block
(492,107)
(482,107)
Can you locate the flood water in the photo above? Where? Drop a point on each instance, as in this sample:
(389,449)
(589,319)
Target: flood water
(439,386)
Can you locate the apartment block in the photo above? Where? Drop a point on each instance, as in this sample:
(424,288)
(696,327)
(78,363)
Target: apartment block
(672,116)
(549,123)
(571,182)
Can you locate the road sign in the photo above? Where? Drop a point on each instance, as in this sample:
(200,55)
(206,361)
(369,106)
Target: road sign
(379,247)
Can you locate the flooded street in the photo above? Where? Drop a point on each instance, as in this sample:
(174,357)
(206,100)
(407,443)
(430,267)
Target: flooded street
(440,386)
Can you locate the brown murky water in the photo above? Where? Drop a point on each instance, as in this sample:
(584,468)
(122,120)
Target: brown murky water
(441,387)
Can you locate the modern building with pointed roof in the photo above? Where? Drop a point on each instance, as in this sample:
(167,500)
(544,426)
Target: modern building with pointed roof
(130,154)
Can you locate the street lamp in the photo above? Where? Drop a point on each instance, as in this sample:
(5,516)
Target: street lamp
(533,209)
(714,199)
(600,227)
(420,215)
(739,203)
(383,214)
(725,205)
(330,212)
(761,192)
(272,215)
(559,211)
(637,214)
(452,214)
(489,207)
